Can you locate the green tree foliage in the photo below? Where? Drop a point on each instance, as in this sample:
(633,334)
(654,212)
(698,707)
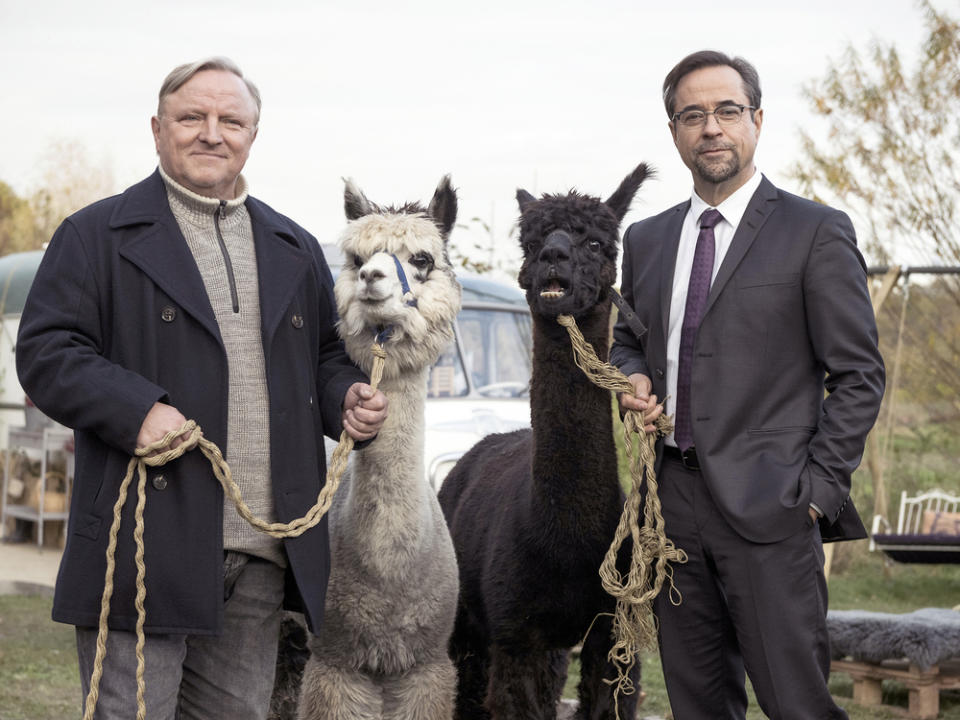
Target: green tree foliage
(886,149)
(17,228)
(477,250)
(68,182)
(888,152)
(891,152)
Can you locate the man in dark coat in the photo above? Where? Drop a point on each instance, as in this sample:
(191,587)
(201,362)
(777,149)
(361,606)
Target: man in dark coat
(755,302)
(184,297)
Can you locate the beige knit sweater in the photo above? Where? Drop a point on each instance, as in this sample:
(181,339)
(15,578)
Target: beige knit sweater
(248,414)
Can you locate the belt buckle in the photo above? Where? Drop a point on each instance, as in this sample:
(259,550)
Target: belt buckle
(689,458)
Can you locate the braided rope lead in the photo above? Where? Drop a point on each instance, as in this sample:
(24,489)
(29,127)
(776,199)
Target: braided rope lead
(634,625)
(159,453)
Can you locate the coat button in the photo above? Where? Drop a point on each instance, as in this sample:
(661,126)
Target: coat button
(659,372)
(297,321)
(159,482)
(168,314)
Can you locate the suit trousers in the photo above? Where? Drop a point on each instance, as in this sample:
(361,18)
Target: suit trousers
(211,677)
(745,606)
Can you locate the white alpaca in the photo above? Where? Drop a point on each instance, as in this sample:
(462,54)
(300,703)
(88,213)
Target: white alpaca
(382,649)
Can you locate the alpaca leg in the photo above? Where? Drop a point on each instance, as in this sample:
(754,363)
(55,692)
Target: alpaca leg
(331,692)
(595,695)
(526,686)
(424,692)
(473,673)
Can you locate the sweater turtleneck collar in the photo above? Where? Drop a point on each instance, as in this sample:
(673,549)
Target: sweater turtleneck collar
(197,207)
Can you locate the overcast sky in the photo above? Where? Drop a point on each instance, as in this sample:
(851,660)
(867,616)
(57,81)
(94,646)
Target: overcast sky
(501,93)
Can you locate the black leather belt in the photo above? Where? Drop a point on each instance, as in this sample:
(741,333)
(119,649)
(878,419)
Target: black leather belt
(688,457)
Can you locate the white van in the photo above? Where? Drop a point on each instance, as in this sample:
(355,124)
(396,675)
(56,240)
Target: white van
(480,384)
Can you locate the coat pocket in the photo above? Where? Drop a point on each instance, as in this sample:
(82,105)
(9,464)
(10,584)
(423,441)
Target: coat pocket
(88,526)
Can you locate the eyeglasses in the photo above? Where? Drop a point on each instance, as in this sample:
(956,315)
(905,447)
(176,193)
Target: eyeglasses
(725,115)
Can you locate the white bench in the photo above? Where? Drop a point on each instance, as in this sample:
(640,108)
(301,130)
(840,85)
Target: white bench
(928,529)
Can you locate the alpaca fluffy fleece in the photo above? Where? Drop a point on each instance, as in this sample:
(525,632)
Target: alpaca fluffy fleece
(418,332)
(533,512)
(382,649)
(926,637)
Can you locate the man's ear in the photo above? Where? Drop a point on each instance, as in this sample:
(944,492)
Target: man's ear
(155,127)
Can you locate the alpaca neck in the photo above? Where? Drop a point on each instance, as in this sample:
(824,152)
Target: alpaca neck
(390,469)
(386,514)
(574,454)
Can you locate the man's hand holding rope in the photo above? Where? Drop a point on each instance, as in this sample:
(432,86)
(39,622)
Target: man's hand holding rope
(161,420)
(364,411)
(642,401)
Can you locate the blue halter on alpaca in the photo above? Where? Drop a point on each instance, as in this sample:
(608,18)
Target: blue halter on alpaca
(409,300)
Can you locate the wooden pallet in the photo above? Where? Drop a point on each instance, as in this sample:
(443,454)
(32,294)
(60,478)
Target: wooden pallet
(924,686)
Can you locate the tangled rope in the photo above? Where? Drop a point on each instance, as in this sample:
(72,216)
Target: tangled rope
(634,626)
(164,453)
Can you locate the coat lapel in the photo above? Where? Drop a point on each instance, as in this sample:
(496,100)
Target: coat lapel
(281,264)
(668,261)
(758,210)
(157,247)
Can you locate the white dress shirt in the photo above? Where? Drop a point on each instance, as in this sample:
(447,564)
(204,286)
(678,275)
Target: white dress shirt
(732,210)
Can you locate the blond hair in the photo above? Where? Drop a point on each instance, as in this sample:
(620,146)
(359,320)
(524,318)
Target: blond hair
(181,74)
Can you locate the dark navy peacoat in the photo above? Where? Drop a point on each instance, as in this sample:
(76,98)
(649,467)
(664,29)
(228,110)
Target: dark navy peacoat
(118,319)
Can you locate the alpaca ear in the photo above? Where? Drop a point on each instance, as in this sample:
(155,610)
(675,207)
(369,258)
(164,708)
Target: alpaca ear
(619,202)
(443,207)
(355,203)
(524,198)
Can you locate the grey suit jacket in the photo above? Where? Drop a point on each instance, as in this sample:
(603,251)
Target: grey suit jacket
(788,316)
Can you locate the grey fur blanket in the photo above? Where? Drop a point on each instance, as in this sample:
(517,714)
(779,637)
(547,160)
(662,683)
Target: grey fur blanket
(925,637)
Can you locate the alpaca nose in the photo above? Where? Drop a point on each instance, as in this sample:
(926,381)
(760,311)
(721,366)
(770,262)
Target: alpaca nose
(556,248)
(369,275)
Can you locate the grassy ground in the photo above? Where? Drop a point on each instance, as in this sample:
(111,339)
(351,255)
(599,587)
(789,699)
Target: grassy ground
(38,676)
(860,580)
(38,662)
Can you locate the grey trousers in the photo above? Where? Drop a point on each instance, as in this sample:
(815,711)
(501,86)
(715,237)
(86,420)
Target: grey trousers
(228,676)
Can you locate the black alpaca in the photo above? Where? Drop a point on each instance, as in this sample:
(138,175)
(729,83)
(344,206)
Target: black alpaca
(533,512)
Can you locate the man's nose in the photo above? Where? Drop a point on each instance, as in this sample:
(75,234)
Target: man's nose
(210,130)
(712,125)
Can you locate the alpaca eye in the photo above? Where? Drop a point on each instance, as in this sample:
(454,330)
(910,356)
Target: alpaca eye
(357,262)
(594,245)
(422,261)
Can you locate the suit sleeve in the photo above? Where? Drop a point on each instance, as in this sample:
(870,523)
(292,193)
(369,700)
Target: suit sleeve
(627,352)
(59,352)
(843,333)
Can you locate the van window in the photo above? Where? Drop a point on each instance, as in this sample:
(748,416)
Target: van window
(497,350)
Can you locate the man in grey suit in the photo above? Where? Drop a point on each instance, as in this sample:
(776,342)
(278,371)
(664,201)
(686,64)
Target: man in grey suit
(755,302)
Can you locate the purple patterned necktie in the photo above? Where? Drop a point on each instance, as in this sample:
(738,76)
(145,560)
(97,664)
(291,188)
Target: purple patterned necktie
(697,291)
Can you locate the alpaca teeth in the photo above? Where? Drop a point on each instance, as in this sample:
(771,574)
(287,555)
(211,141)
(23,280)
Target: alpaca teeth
(551,294)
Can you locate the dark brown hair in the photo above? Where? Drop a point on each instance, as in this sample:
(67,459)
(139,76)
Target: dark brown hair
(710,58)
